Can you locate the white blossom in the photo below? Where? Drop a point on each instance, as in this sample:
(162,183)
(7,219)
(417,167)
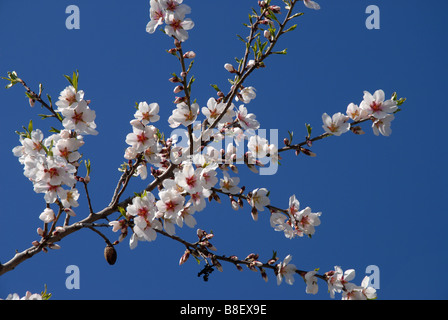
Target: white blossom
(80,118)
(214,110)
(247,120)
(147,113)
(47,215)
(68,97)
(311,4)
(286,271)
(183,115)
(157,16)
(335,125)
(246,95)
(356,113)
(383,125)
(177,27)
(259,199)
(311,282)
(140,140)
(376,106)
(228,184)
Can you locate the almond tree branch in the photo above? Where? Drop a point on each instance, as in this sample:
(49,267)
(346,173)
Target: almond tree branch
(37,97)
(53,238)
(319,137)
(246,71)
(202,249)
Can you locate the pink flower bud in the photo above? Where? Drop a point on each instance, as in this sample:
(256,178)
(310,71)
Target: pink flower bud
(229,68)
(184,257)
(275,9)
(190,55)
(178,89)
(175,79)
(70,212)
(267,34)
(179,100)
(40,231)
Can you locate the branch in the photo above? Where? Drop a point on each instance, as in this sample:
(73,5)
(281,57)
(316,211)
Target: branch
(202,246)
(66,231)
(37,97)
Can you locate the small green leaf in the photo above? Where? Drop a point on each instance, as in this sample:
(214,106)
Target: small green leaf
(49,99)
(69,79)
(30,96)
(296,15)
(87,163)
(122,211)
(308,129)
(291,136)
(44,294)
(284,51)
(401,101)
(290,29)
(30,126)
(215,87)
(75,80)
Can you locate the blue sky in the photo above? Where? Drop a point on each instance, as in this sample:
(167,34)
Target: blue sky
(382,198)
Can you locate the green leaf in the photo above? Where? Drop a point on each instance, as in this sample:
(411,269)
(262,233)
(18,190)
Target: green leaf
(30,126)
(284,51)
(190,66)
(401,101)
(241,38)
(87,163)
(290,29)
(29,95)
(308,129)
(291,136)
(296,15)
(122,211)
(215,87)
(44,294)
(58,115)
(69,79)
(75,80)
(54,130)
(49,99)
(273,16)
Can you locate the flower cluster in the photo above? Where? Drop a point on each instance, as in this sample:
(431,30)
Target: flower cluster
(373,107)
(337,280)
(27,296)
(296,222)
(51,163)
(172,13)
(76,112)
